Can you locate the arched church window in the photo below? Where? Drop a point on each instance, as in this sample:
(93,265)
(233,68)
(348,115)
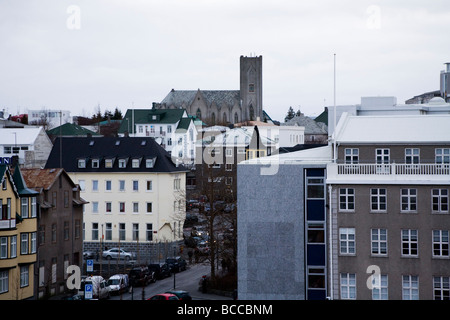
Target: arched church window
(225,118)
(198,113)
(236,117)
(252,113)
(213,118)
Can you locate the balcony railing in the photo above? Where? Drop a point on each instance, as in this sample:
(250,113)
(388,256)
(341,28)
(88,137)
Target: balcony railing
(393,169)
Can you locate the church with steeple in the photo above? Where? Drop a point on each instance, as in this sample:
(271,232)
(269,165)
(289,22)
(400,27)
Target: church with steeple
(223,106)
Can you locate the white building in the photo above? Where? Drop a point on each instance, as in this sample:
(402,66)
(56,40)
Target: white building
(135,192)
(173,129)
(30,144)
(49,118)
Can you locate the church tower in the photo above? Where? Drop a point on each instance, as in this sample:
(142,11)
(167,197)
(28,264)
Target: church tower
(251,87)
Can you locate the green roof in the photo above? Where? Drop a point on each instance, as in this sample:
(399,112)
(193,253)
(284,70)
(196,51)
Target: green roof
(70,129)
(184,123)
(144,116)
(323,117)
(21,186)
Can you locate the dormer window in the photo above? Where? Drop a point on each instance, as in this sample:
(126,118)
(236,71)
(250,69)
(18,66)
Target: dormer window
(81,163)
(150,163)
(135,163)
(122,163)
(109,163)
(95,163)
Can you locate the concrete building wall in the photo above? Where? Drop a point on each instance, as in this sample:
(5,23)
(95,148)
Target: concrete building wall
(271,233)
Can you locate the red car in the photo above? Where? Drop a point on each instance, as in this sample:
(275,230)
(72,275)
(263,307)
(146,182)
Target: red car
(164,296)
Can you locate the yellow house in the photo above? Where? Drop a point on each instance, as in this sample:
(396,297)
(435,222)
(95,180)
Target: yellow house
(18,236)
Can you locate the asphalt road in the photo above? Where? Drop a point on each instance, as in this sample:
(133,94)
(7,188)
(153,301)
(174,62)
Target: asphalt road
(185,280)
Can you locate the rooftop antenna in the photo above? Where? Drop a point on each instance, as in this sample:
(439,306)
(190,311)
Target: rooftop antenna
(334,103)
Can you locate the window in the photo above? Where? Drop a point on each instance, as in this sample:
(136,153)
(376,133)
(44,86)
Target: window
(315,188)
(380,287)
(150,163)
(347,242)
(66,230)
(441,288)
(108,206)
(82,184)
(54,233)
(382,156)
(135,207)
(228,167)
(135,163)
(316,233)
(122,231)
(108,231)
(410,287)
(77,229)
(441,243)
(412,156)
(95,231)
(135,185)
(24,276)
(439,200)
(348,286)
(442,155)
(135,231)
(351,156)
(4,279)
(149,232)
(176,184)
(149,207)
(108,185)
(316,278)
(347,199)
(108,163)
(33,207)
(3,247)
(81,163)
(66,198)
(95,163)
(410,243)
(379,241)
(122,207)
(251,87)
(149,185)
(54,199)
(378,200)
(228,152)
(94,185)
(24,207)
(169,129)
(94,207)
(122,163)
(24,243)
(408,200)
(13,247)
(121,185)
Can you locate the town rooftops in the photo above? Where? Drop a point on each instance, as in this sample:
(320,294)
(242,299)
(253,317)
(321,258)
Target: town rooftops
(393,129)
(20,136)
(184,98)
(111,154)
(149,116)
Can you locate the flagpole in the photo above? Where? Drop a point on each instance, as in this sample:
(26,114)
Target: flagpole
(334,101)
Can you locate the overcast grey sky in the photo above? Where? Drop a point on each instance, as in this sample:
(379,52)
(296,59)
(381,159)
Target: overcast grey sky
(77,54)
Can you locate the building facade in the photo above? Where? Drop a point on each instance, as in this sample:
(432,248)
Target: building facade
(60,222)
(389,199)
(18,236)
(135,192)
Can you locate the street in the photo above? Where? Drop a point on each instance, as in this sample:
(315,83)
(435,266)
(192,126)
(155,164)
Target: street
(186,280)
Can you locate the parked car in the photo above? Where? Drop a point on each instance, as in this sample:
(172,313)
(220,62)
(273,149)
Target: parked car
(164,296)
(181,294)
(118,283)
(100,289)
(176,264)
(161,270)
(116,253)
(89,254)
(140,276)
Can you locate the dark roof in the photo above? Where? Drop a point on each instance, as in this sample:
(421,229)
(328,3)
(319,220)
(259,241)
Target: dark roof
(184,98)
(101,148)
(299,147)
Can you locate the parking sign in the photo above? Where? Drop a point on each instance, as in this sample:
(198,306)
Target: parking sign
(88,291)
(90,265)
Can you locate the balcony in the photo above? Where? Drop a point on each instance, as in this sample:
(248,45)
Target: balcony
(392,173)
(7,224)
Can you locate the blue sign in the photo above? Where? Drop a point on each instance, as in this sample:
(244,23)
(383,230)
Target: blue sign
(88,291)
(90,265)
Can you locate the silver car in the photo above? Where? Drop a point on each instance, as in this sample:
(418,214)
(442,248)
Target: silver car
(116,253)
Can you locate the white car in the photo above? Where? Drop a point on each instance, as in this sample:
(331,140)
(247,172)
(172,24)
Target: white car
(100,289)
(116,253)
(118,283)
